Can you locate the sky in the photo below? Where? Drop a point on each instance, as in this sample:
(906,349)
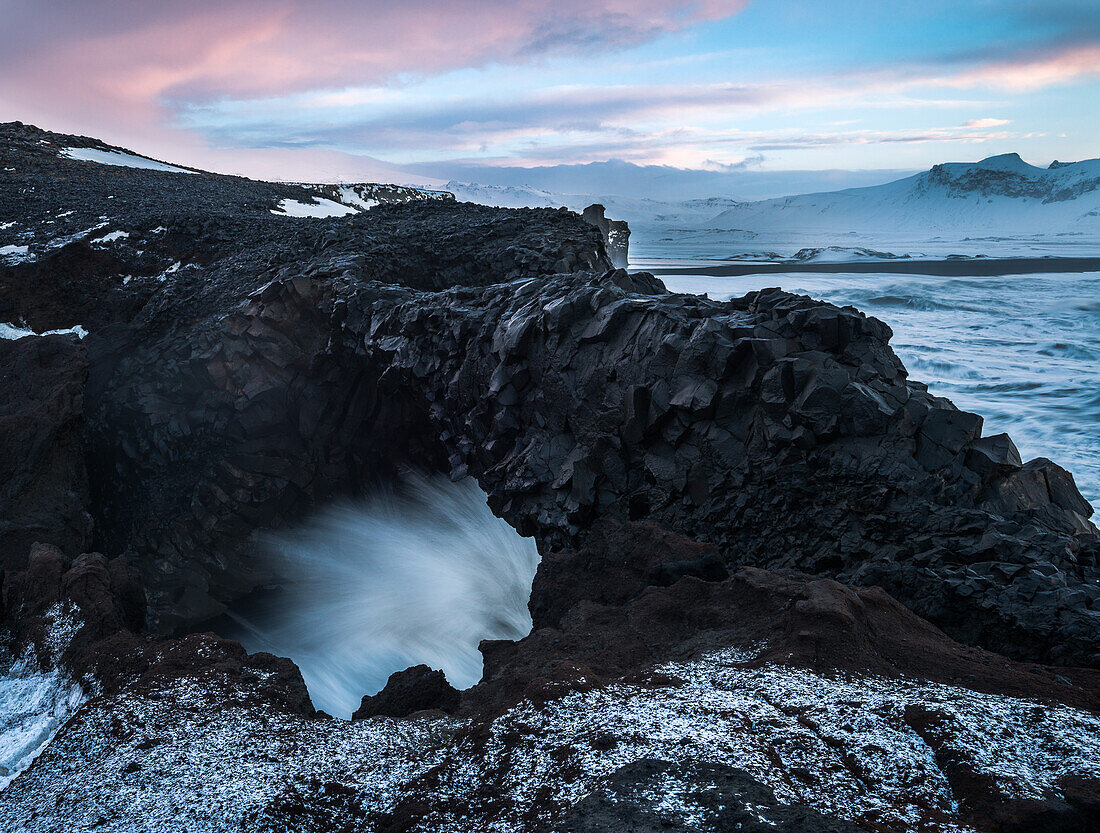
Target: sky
(406,89)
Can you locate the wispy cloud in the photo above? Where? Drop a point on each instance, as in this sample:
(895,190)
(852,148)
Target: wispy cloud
(125,57)
(983,123)
(643,122)
(517,80)
(1030,70)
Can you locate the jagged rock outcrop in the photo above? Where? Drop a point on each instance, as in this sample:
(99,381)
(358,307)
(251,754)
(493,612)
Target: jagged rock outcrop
(43,481)
(415,689)
(616,235)
(782,430)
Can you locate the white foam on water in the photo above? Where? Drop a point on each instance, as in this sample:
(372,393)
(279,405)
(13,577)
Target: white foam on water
(420,575)
(34,704)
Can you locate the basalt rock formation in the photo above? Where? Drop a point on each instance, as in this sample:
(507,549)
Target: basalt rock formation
(780,429)
(616,233)
(43,481)
(761,541)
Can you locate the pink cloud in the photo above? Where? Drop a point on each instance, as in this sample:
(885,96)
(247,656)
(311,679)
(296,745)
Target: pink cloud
(104,63)
(1032,71)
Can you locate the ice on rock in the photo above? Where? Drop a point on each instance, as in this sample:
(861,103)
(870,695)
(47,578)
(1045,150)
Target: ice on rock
(35,703)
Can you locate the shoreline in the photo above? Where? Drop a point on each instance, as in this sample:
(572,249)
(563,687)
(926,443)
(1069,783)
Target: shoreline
(976,267)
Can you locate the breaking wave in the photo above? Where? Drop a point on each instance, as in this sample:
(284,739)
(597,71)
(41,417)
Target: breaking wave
(34,704)
(420,574)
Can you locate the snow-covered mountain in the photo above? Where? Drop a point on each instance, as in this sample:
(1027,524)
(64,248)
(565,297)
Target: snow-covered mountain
(505,196)
(663,183)
(637,210)
(1001,194)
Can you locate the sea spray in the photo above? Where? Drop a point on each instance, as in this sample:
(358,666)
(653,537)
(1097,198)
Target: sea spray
(420,574)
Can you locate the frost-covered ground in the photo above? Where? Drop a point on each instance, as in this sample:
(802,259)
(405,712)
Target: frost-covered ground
(846,746)
(183,761)
(842,745)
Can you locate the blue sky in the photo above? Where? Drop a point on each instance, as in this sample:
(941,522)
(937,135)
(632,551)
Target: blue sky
(714,84)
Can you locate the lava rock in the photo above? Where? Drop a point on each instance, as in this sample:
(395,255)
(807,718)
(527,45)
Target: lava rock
(43,481)
(715,797)
(415,689)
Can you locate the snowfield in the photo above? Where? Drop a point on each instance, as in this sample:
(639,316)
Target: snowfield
(121,159)
(1001,194)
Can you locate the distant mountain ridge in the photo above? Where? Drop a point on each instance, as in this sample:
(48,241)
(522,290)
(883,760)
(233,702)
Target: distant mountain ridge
(1009,175)
(1000,193)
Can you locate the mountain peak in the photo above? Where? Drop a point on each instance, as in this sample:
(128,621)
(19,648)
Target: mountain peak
(1010,162)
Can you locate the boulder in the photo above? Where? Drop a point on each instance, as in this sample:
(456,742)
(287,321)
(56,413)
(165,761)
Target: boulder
(415,689)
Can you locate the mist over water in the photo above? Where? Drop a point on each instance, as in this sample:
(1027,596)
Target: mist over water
(417,575)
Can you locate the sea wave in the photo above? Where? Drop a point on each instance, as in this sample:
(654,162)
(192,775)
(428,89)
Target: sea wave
(417,574)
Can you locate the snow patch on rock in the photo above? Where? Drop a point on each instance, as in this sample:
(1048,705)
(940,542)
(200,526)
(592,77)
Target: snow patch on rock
(12,332)
(15,254)
(321,208)
(113,236)
(120,159)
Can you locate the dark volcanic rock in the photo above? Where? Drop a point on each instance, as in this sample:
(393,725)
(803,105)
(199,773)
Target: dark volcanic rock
(616,235)
(721,799)
(87,615)
(413,690)
(778,428)
(610,620)
(289,362)
(43,481)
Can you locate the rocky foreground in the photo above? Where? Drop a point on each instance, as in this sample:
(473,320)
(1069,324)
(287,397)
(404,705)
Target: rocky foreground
(783,587)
